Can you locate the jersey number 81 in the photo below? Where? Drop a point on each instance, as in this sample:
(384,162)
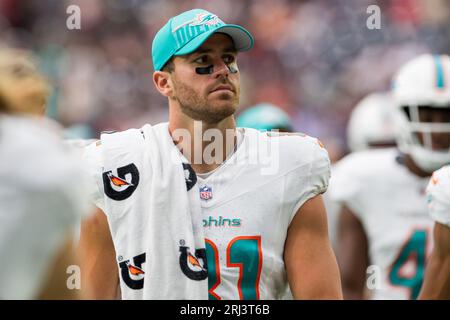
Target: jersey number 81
(243,253)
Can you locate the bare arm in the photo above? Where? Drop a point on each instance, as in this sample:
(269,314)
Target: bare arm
(100,277)
(352,254)
(55,283)
(310,262)
(437,276)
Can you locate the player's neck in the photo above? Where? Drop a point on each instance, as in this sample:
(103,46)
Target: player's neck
(413,167)
(205,145)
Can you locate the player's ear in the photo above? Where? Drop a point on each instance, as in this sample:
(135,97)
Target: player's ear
(163,83)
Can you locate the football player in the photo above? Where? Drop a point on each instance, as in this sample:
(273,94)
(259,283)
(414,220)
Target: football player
(436,284)
(383,223)
(42,194)
(370,126)
(263,232)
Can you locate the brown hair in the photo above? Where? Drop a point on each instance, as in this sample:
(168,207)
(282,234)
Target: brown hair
(169,66)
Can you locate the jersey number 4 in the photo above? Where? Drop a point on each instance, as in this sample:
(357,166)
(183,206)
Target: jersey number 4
(243,253)
(412,254)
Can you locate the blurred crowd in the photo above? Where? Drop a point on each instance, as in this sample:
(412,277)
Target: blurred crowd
(314,59)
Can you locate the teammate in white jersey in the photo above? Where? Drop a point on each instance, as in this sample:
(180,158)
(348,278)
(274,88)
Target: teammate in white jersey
(262,232)
(370,126)
(42,195)
(383,221)
(436,284)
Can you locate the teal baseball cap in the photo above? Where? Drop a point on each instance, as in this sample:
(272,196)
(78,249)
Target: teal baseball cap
(264,116)
(184,33)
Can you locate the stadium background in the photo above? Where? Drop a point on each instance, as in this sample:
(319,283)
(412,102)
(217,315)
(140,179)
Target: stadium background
(315,59)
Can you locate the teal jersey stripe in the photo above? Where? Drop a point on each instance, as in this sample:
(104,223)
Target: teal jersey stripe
(440,83)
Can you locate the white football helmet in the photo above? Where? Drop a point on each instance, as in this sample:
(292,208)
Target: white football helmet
(422,82)
(372,122)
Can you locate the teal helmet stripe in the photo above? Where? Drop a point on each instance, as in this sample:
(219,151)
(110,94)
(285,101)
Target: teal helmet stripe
(440,83)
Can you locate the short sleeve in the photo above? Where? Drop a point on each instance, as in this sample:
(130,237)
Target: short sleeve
(438,196)
(315,174)
(93,166)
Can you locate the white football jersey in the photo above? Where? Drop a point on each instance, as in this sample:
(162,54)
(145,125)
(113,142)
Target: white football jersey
(438,192)
(390,202)
(332,208)
(42,196)
(247,206)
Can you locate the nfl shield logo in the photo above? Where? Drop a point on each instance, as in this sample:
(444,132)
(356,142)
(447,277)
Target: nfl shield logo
(205,193)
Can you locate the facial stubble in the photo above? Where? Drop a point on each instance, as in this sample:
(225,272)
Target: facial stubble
(199,108)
